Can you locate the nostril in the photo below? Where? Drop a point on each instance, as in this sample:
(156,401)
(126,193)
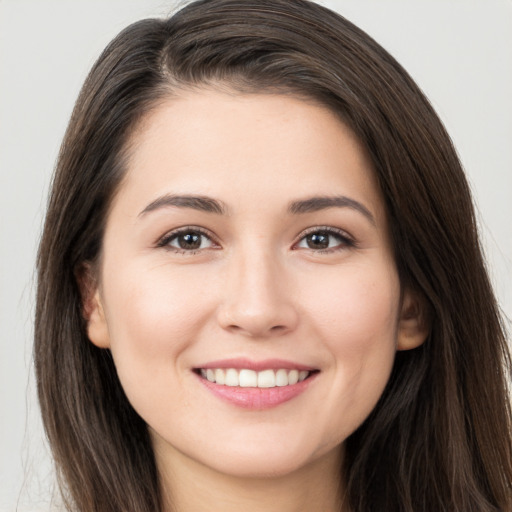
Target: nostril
(257,320)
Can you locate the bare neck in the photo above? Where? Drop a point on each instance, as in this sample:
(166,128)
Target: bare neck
(189,486)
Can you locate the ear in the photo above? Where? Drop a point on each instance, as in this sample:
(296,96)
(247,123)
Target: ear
(413,324)
(92,307)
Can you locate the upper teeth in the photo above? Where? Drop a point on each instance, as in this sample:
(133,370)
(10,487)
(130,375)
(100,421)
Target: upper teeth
(251,379)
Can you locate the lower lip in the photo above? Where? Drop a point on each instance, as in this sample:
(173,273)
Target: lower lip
(257,398)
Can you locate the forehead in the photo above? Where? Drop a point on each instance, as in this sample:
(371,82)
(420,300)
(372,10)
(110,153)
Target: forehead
(266,146)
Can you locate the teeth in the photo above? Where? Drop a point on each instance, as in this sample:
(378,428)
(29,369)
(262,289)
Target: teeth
(267,379)
(293,377)
(250,379)
(282,378)
(302,375)
(231,378)
(220,377)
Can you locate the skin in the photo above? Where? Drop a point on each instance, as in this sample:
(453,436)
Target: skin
(253,289)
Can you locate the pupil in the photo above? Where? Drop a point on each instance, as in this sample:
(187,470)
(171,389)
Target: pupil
(190,241)
(318,241)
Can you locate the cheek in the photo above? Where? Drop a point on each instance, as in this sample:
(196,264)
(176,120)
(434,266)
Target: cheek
(153,315)
(358,326)
(366,327)
(153,305)
(358,309)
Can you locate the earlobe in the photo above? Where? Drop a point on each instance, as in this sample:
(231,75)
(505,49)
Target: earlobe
(92,307)
(414,324)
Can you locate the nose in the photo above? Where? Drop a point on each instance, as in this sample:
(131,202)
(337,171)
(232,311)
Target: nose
(258,298)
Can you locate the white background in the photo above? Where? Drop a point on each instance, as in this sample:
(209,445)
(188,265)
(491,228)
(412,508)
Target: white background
(460,53)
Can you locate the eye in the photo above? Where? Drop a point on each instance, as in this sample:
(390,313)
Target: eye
(187,240)
(325,240)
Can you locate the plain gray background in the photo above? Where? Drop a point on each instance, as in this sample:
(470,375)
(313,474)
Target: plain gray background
(460,53)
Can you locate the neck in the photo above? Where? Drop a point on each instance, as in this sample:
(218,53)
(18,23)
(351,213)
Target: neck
(189,486)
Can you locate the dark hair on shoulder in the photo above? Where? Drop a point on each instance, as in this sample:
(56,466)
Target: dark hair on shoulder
(440,437)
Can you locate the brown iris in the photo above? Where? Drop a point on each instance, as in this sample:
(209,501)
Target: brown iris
(318,240)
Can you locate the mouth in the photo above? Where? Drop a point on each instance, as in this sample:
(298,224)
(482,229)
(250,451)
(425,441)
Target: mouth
(255,385)
(247,378)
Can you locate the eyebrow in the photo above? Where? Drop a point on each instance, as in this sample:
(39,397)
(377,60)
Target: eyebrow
(315,204)
(201,203)
(210,205)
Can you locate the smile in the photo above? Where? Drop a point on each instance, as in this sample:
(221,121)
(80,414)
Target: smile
(256,385)
(246,378)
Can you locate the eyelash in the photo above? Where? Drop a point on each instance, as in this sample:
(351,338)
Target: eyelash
(165,241)
(345,240)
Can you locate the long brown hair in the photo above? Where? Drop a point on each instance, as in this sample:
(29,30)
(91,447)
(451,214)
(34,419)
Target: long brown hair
(440,437)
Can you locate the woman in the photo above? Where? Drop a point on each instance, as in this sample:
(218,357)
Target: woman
(260,282)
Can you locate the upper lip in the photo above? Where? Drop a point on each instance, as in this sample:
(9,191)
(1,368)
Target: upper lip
(249,364)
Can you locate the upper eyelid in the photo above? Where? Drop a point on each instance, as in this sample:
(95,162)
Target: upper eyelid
(346,239)
(164,239)
(205,232)
(330,229)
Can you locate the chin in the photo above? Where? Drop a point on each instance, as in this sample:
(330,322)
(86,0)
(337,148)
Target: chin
(251,467)
(265,460)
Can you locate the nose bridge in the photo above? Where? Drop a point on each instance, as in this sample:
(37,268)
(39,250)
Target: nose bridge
(257,299)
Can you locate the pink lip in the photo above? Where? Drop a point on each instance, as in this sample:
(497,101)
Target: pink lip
(257,398)
(257,366)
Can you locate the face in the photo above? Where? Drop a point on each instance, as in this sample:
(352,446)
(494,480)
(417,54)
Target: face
(247,288)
